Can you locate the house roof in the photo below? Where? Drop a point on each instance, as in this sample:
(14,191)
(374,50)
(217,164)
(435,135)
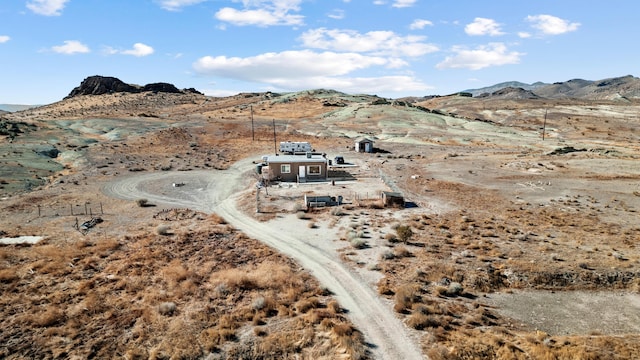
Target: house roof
(281,159)
(363,140)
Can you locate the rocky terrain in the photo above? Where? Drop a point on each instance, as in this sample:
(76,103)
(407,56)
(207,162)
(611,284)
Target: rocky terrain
(518,241)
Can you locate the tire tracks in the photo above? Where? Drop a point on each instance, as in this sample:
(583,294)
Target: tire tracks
(219,192)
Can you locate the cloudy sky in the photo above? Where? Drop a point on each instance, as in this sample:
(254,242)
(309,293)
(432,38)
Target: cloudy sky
(391,48)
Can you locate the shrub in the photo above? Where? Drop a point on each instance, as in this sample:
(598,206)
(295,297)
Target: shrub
(404,233)
(358,243)
(387,255)
(402,251)
(405,297)
(142,202)
(454,289)
(163,230)
(418,320)
(391,238)
(8,275)
(305,305)
(258,303)
(49,317)
(167,308)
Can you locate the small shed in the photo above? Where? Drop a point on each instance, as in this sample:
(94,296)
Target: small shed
(296,168)
(392,199)
(364,145)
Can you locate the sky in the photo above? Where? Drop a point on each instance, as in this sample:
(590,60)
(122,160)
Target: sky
(389,48)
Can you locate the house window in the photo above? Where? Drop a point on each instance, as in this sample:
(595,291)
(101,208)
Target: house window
(285,169)
(314,170)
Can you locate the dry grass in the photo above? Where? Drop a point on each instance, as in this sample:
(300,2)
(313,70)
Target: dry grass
(149,295)
(510,242)
(114,288)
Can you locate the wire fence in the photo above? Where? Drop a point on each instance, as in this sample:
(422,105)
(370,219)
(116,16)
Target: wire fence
(89,209)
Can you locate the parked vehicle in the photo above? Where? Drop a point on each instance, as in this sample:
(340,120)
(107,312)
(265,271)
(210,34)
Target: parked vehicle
(293,147)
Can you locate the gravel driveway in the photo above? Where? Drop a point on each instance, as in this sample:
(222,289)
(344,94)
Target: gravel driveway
(218,191)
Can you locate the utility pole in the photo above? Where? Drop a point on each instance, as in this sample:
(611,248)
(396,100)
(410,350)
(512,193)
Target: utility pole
(275,147)
(544,125)
(253,134)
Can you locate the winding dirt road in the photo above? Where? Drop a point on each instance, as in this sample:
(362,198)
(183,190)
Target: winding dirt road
(218,191)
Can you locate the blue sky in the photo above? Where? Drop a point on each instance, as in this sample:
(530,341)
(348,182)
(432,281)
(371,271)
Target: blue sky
(390,48)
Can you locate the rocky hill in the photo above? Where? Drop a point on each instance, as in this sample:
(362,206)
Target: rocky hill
(606,89)
(511,93)
(99,85)
(509,84)
(618,88)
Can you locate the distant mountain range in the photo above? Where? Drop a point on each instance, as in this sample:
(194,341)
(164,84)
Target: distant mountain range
(618,88)
(14,107)
(503,85)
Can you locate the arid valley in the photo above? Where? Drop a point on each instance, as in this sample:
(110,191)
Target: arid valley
(516,239)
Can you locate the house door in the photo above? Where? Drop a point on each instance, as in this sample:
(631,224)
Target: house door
(302,172)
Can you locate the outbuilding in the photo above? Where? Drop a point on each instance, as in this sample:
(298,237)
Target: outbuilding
(364,145)
(392,199)
(296,168)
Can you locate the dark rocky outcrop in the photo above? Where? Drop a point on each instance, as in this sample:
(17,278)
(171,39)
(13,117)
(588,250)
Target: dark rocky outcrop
(12,129)
(100,85)
(161,87)
(49,151)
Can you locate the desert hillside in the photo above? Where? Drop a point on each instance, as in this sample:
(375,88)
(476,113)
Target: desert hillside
(516,236)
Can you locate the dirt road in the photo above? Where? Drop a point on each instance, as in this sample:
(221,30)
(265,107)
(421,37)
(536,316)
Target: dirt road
(218,191)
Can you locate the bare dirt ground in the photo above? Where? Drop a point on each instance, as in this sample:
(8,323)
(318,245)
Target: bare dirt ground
(519,247)
(219,192)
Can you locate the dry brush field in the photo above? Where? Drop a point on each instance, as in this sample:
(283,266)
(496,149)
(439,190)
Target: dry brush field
(497,211)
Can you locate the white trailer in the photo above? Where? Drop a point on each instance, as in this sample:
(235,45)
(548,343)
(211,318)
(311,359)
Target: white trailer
(295,147)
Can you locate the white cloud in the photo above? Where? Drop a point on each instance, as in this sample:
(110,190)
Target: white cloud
(337,14)
(139,50)
(359,85)
(263,13)
(219,92)
(524,35)
(4,38)
(47,7)
(297,70)
(493,54)
(483,26)
(287,64)
(403,3)
(420,24)
(551,25)
(175,5)
(385,43)
(71,47)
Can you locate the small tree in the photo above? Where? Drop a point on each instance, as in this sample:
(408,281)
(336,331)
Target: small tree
(404,233)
